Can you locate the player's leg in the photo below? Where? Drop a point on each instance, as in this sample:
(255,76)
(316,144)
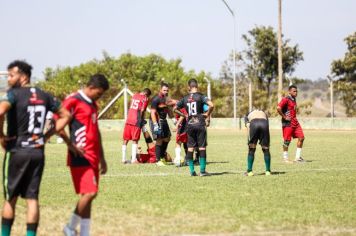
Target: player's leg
(85,180)
(192,142)
(177,150)
(10,179)
(201,143)
(265,143)
(30,190)
(136,134)
(8,216)
(250,158)
(298,133)
(83,210)
(253,136)
(123,151)
(126,136)
(166,135)
(33,216)
(287,137)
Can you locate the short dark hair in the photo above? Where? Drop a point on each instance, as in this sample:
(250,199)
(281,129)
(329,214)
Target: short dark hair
(292,86)
(98,81)
(193,83)
(147,91)
(23,67)
(163,84)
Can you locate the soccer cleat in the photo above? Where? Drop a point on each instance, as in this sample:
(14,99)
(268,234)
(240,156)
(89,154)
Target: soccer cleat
(268,173)
(125,162)
(203,174)
(193,174)
(135,162)
(249,173)
(300,160)
(162,162)
(67,231)
(286,160)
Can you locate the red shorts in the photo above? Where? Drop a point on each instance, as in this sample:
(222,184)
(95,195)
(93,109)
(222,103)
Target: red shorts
(183,138)
(131,132)
(85,179)
(292,132)
(150,157)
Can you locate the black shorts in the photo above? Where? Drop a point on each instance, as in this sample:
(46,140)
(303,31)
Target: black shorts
(259,131)
(165,131)
(22,173)
(196,136)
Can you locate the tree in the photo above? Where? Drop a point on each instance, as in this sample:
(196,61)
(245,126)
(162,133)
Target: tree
(345,70)
(138,72)
(259,63)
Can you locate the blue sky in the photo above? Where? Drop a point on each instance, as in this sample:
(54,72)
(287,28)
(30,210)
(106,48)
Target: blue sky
(67,33)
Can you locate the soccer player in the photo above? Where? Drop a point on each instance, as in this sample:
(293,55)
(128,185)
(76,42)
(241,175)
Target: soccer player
(181,137)
(287,108)
(196,125)
(26,108)
(257,126)
(85,156)
(150,156)
(135,120)
(158,122)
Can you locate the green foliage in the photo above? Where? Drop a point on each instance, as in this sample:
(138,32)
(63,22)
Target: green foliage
(138,72)
(259,64)
(345,69)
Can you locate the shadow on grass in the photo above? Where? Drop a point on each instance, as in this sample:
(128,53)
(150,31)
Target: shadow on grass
(217,162)
(273,173)
(221,173)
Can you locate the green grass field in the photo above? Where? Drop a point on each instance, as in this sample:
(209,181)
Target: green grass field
(315,198)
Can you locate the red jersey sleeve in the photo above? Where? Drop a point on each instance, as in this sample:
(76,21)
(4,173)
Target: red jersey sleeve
(283,102)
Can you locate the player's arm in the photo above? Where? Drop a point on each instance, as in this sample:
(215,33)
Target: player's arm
(179,121)
(103,165)
(4,108)
(280,107)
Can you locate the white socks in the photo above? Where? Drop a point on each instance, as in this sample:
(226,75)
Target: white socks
(285,154)
(298,153)
(74,221)
(123,153)
(133,152)
(85,227)
(178,150)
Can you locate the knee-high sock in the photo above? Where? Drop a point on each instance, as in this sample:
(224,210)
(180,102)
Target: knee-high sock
(123,149)
(133,152)
(158,152)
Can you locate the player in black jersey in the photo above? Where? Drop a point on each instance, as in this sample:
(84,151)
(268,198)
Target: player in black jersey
(196,125)
(257,125)
(26,108)
(158,122)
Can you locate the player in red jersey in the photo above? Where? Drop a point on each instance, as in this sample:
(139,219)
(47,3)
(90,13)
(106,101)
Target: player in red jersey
(287,108)
(85,156)
(135,120)
(150,156)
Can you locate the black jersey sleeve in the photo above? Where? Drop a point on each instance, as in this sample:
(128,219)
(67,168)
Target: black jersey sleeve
(180,104)
(9,97)
(155,102)
(53,104)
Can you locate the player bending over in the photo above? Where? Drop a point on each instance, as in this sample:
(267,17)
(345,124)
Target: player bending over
(258,130)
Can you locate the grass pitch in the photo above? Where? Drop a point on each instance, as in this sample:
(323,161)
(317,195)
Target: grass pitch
(315,198)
